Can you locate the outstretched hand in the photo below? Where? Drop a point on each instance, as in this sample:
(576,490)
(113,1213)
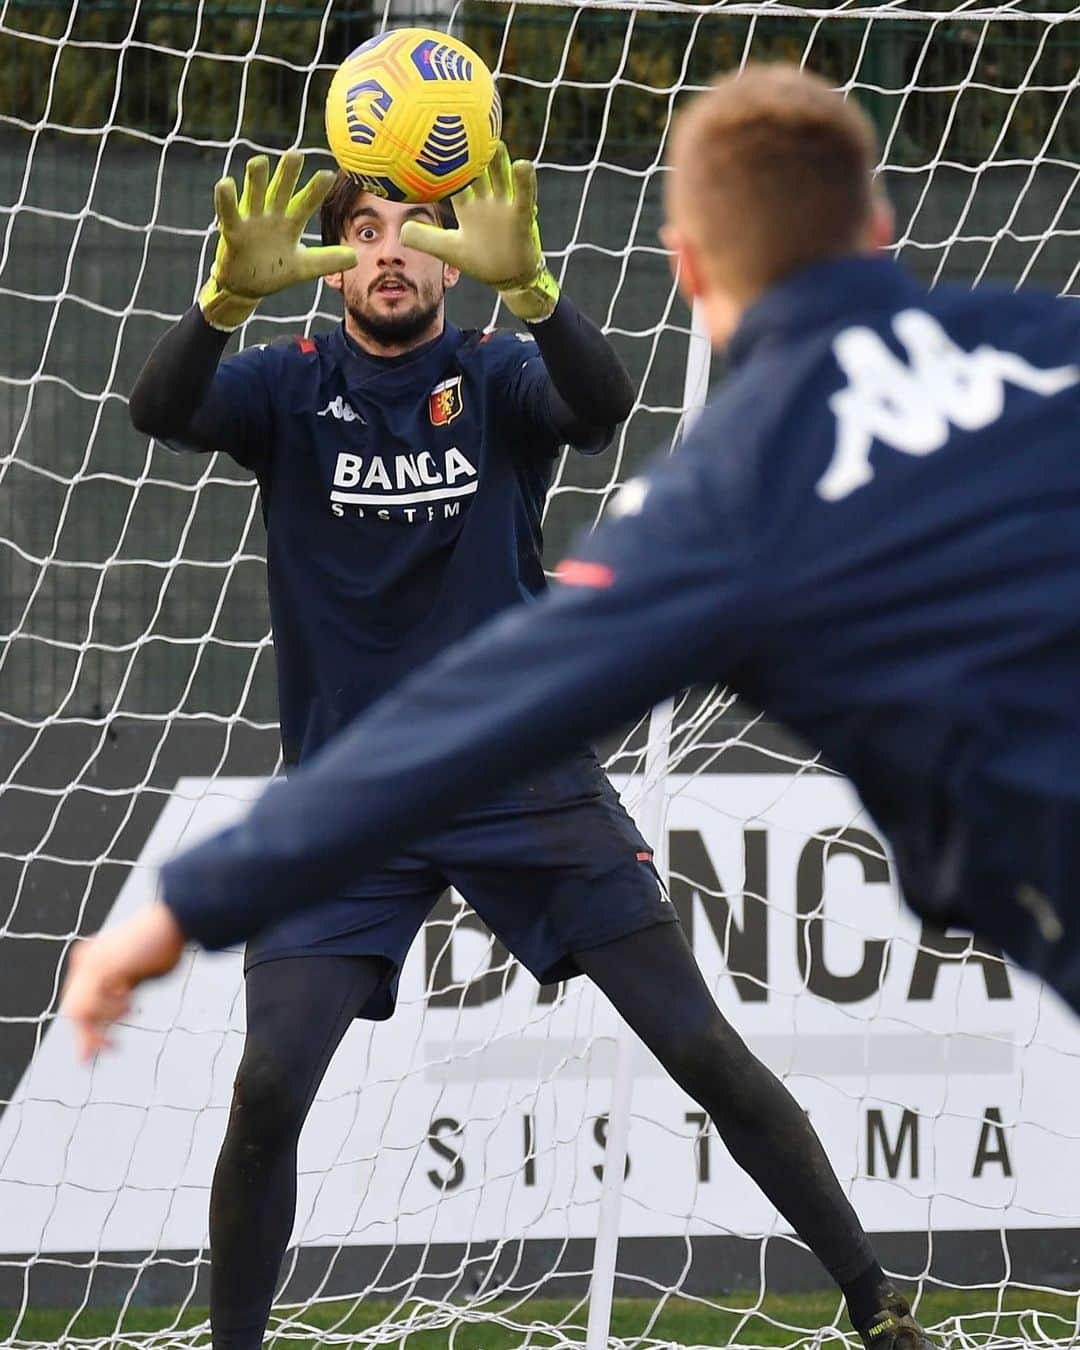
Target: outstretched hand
(497,239)
(259,252)
(105,970)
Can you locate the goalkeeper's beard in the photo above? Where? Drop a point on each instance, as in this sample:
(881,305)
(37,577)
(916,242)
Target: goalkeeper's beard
(397,329)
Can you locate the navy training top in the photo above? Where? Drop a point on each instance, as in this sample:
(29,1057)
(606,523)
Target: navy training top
(872,531)
(402,499)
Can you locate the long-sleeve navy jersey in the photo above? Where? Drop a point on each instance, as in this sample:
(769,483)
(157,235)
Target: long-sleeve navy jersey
(873,532)
(402,501)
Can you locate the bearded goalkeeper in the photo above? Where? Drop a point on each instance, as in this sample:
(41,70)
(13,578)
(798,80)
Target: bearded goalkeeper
(402,466)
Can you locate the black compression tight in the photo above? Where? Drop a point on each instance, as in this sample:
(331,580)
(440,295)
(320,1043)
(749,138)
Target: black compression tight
(299,1009)
(654,982)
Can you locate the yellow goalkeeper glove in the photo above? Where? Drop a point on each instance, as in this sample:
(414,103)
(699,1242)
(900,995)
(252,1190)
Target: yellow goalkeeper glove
(498,239)
(259,252)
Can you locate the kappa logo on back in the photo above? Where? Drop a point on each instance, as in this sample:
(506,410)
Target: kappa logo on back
(341,411)
(914,406)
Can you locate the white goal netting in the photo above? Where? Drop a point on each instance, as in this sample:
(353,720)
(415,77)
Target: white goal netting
(452,1172)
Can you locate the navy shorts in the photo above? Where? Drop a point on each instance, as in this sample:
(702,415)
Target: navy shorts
(547,883)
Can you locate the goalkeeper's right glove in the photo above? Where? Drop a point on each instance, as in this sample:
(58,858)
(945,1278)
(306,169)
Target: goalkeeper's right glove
(259,252)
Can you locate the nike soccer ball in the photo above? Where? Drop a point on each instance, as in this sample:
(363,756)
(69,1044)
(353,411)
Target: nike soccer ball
(413,115)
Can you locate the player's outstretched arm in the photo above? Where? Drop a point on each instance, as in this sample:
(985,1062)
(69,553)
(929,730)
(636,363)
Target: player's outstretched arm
(259,252)
(497,241)
(589,392)
(657,602)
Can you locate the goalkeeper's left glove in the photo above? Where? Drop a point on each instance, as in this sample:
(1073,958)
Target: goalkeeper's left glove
(497,240)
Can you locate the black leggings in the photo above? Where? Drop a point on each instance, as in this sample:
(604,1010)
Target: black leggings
(299,1009)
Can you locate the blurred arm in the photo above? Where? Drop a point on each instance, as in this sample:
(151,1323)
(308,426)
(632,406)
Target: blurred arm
(650,609)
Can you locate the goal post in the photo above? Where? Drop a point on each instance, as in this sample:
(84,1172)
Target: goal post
(480,1159)
(649,804)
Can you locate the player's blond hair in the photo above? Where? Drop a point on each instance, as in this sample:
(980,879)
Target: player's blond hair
(772,171)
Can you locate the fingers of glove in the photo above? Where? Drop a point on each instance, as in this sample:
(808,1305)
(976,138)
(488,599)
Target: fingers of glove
(311,196)
(463,198)
(502,184)
(283,182)
(481,185)
(525,186)
(228,213)
(254,195)
(441,244)
(324,262)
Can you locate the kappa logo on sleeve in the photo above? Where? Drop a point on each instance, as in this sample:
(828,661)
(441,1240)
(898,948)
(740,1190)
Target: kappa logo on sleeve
(445,402)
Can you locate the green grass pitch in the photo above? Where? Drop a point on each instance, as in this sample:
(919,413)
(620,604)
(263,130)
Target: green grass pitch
(1020,1316)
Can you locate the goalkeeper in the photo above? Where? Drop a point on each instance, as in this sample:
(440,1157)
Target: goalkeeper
(403,466)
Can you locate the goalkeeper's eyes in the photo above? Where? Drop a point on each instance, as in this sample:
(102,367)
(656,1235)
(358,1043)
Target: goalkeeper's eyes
(367,234)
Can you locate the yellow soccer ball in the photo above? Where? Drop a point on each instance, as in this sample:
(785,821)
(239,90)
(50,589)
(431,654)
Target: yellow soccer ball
(413,115)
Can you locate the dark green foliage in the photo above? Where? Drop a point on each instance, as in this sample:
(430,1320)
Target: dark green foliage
(609,78)
(576,82)
(232,74)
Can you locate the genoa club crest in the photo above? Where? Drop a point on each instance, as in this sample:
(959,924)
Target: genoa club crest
(444,402)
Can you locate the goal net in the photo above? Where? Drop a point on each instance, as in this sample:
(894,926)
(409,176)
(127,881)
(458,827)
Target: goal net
(461,1174)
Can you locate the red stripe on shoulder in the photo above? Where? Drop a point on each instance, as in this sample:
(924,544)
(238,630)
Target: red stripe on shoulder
(573,572)
(306,345)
